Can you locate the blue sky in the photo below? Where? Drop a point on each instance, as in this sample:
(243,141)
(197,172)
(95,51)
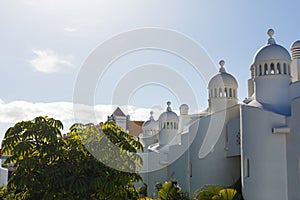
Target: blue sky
(44,43)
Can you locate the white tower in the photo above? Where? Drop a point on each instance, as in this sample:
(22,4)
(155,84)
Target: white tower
(184,116)
(168,125)
(150,131)
(120,118)
(295,65)
(222,90)
(272,76)
(264,134)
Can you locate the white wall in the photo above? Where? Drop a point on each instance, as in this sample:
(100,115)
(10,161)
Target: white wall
(267,155)
(272,90)
(221,103)
(166,136)
(293,152)
(121,121)
(153,171)
(294,90)
(214,167)
(234,138)
(3,175)
(148,140)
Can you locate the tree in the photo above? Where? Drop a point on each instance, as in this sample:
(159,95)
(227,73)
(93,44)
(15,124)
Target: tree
(52,167)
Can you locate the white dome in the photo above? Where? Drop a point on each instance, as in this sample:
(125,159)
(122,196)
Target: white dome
(150,124)
(169,115)
(222,79)
(271,51)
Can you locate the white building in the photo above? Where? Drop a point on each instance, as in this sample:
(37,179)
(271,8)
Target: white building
(256,140)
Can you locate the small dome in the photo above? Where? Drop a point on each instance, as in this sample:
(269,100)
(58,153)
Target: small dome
(169,115)
(222,79)
(184,109)
(150,124)
(271,51)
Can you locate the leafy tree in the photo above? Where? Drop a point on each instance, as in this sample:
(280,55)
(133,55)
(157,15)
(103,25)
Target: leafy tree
(52,167)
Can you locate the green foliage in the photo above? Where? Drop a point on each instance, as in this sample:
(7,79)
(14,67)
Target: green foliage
(170,191)
(216,193)
(227,194)
(51,167)
(207,192)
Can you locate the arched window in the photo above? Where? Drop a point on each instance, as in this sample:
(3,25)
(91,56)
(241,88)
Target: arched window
(284,68)
(278,68)
(225,92)
(266,69)
(272,71)
(216,92)
(260,70)
(220,92)
(230,92)
(234,93)
(289,70)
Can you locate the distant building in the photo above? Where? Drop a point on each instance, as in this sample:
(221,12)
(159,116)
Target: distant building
(256,140)
(132,127)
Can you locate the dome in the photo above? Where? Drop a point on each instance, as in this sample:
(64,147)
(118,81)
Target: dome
(271,51)
(169,115)
(150,124)
(222,79)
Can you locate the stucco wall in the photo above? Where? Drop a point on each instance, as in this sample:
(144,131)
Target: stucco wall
(293,152)
(215,168)
(266,153)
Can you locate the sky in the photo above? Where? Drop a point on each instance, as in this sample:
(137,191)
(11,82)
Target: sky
(44,46)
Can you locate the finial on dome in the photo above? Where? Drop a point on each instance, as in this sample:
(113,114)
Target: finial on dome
(169,108)
(271,40)
(222,69)
(151,115)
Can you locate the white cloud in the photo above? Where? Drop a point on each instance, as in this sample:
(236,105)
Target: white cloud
(15,111)
(70,29)
(47,61)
